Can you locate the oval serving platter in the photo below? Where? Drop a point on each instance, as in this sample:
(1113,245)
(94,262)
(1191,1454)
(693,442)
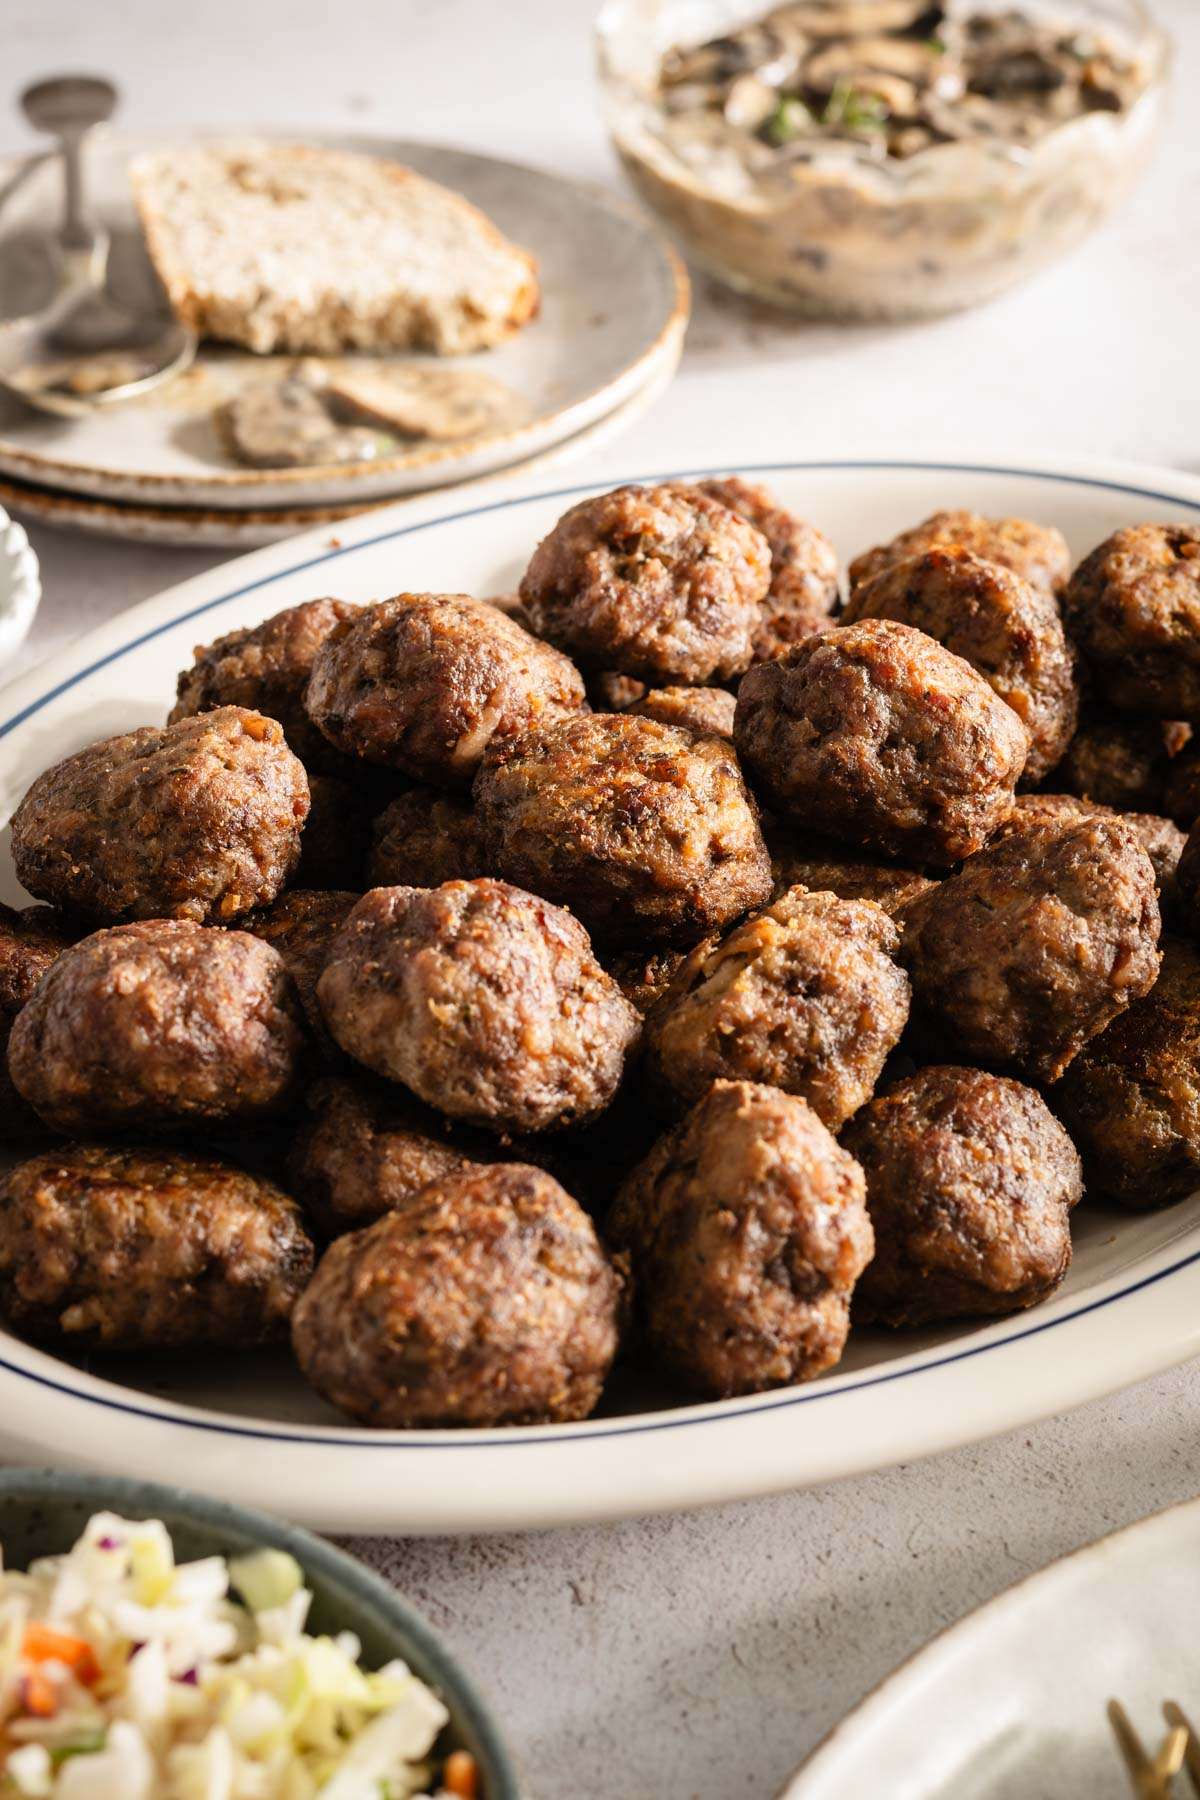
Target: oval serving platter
(249,1429)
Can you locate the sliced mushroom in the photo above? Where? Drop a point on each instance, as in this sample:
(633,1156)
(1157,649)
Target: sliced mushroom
(914,61)
(750,102)
(852,18)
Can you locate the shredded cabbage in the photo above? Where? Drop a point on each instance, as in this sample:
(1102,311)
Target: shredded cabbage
(127,1676)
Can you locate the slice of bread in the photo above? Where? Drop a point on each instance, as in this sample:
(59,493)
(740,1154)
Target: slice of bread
(292,248)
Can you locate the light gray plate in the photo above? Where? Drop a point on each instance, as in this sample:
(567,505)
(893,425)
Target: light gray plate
(614,308)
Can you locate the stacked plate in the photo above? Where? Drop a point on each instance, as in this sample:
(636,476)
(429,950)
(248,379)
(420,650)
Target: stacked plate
(606,343)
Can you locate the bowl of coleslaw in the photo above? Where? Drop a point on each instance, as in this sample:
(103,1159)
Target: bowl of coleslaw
(158,1645)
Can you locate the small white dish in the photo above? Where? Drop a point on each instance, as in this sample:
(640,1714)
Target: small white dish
(1009,1704)
(20,586)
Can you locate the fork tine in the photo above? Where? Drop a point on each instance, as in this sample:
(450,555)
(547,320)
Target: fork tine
(1153,1779)
(1174,1714)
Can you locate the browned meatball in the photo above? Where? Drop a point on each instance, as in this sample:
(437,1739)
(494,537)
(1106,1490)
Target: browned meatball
(425,838)
(747,1229)
(486,1001)
(1004,626)
(1038,553)
(1133,608)
(876,734)
(147,1250)
(301,926)
(1131,1098)
(364,1150)
(804,859)
(659,582)
(200,820)
(613,693)
(337,832)
(804,566)
(1181,790)
(1036,944)
(644,831)
(266,668)
(970,1184)
(31,941)
(644,976)
(1162,841)
(804,997)
(487,1300)
(424,682)
(1187,883)
(158,1024)
(1121,762)
(707,711)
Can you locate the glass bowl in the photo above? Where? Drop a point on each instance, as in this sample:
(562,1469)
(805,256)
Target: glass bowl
(843,234)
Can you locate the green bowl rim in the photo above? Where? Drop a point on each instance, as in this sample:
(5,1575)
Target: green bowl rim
(153,1499)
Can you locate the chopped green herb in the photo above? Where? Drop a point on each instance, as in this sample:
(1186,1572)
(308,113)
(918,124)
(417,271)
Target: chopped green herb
(937,45)
(856,110)
(791,119)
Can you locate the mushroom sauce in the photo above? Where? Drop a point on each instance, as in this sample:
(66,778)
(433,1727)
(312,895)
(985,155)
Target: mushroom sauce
(894,76)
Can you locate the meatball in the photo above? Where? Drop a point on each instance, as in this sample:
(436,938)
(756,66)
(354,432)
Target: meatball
(747,1228)
(877,734)
(333,848)
(1162,841)
(1133,608)
(487,1300)
(199,820)
(487,1002)
(1038,553)
(424,682)
(705,710)
(1187,883)
(803,859)
(423,839)
(662,583)
(364,1150)
(804,566)
(643,830)
(1121,762)
(31,942)
(1036,944)
(804,997)
(644,976)
(1004,626)
(162,1023)
(110,1249)
(266,668)
(1131,1098)
(301,926)
(613,693)
(1181,790)
(970,1184)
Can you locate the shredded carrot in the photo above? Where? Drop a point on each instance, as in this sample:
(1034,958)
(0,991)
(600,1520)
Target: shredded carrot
(39,1696)
(461,1775)
(40,1644)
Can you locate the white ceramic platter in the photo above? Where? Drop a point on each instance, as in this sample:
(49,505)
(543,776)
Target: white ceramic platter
(238,528)
(249,1429)
(614,310)
(1010,1703)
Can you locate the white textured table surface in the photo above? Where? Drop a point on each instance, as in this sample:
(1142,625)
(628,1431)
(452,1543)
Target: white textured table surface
(702,1656)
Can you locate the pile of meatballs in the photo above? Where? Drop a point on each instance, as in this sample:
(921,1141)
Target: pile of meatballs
(673,963)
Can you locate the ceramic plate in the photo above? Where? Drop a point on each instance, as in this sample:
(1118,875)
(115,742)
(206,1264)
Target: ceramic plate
(614,309)
(229,528)
(984,1712)
(250,1429)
